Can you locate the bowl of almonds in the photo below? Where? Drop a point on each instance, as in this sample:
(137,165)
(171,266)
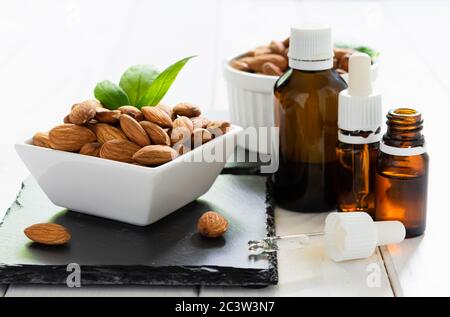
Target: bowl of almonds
(251,77)
(134,165)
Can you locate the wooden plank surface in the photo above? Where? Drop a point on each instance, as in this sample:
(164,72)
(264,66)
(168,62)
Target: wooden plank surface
(308,272)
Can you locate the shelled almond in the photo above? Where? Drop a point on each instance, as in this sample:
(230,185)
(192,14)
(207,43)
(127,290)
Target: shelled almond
(149,136)
(272,59)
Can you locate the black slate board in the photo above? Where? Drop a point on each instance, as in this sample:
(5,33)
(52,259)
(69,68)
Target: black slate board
(168,252)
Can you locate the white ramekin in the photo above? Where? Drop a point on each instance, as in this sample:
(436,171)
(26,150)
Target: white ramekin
(250,100)
(119,191)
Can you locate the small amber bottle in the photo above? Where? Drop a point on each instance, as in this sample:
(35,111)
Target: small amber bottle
(359,138)
(402,172)
(306,106)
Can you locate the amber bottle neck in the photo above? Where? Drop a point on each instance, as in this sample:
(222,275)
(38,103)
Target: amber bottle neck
(404,128)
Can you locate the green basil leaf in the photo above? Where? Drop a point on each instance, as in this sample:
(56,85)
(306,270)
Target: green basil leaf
(110,95)
(137,80)
(162,83)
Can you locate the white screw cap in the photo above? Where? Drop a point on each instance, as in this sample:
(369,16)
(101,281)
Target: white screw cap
(360,109)
(354,235)
(311,47)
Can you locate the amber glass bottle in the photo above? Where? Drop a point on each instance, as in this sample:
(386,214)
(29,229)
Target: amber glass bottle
(359,122)
(306,108)
(402,172)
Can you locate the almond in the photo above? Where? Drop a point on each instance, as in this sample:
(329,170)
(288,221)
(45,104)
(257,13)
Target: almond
(183,122)
(180,135)
(155,155)
(187,109)
(167,109)
(91,149)
(134,131)
(201,136)
(67,119)
(200,122)
(240,65)
(48,233)
(107,116)
(212,225)
(286,42)
(256,63)
(41,139)
(132,111)
(119,150)
(157,134)
(106,132)
(277,47)
(70,137)
(271,69)
(181,148)
(262,50)
(158,116)
(218,127)
(83,112)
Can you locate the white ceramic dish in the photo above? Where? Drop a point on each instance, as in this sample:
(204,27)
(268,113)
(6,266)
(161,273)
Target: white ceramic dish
(250,99)
(129,193)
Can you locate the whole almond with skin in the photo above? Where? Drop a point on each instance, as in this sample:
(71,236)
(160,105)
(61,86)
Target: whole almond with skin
(91,149)
(181,148)
(271,69)
(132,111)
(240,65)
(200,122)
(201,136)
(262,50)
(277,47)
(156,134)
(106,132)
(70,137)
(256,62)
(167,109)
(286,42)
(107,116)
(157,115)
(218,127)
(153,155)
(67,119)
(119,150)
(41,139)
(212,225)
(187,109)
(48,233)
(183,121)
(180,135)
(133,130)
(83,112)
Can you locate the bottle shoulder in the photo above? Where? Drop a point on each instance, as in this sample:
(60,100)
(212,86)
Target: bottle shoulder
(307,81)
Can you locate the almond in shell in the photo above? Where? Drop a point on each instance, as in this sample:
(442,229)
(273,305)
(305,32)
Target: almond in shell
(91,149)
(41,139)
(156,134)
(186,109)
(153,155)
(70,137)
(83,112)
(134,131)
(106,132)
(48,233)
(158,116)
(119,150)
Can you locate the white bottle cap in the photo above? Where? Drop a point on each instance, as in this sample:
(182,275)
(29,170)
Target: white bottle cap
(359,108)
(311,48)
(354,235)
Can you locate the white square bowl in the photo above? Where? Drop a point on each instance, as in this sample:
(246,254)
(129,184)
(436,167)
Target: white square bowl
(119,191)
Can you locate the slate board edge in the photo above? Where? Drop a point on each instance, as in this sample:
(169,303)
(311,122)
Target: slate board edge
(177,275)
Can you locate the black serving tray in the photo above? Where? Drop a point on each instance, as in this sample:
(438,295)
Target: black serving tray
(168,252)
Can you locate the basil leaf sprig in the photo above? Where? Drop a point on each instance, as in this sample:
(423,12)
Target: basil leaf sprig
(140,85)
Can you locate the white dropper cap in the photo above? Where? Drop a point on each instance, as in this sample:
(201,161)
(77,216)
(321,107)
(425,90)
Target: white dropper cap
(311,47)
(360,109)
(354,235)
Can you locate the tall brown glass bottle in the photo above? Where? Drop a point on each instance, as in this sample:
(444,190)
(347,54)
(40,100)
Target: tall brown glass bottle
(306,110)
(402,172)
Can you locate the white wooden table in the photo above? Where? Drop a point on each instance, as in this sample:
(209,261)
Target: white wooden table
(53,52)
